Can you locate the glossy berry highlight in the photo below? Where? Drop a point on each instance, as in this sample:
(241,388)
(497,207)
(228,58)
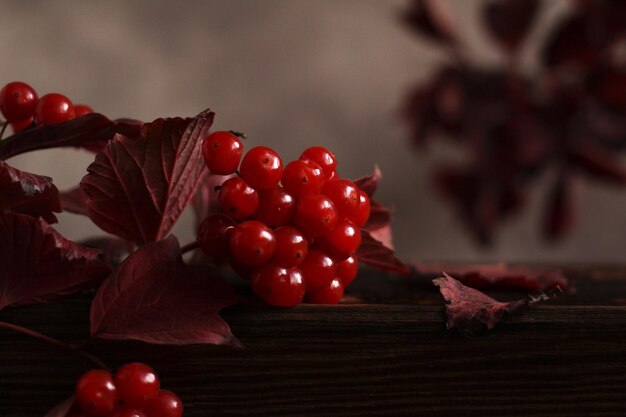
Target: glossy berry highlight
(96,394)
(252,243)
(136,383)
(18,101)
(53,108)
(262,168)
(222,152)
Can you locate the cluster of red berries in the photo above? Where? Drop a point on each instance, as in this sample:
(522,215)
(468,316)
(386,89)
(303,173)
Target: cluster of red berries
(292,231)
(134,391)
(21,106)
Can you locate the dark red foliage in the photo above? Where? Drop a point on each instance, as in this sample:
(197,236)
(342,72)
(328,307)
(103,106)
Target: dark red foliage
(113,250)
(44,265)
(27,193)
(470,311)
(156,298)
(498,276)
(565,118)
(374,253)
(137,188)
(90,132)
(431,18)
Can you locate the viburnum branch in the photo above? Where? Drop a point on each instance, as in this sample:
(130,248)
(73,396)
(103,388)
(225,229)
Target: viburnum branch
(55,342)
(191,246)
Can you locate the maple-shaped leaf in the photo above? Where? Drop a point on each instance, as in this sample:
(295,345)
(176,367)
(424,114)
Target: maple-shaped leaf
(470,311)
(38,264)
(74,201)
(27,193)
(498,276)
(508,21)
(433,19)
(137,188)
(374,253)
(62,409)
(156,298)
(91,131)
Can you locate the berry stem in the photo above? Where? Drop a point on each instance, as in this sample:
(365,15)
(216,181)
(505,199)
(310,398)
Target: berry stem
(54,342)
(4,127)
(191,246)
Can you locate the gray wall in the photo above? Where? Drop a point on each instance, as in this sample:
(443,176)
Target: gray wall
(290,74)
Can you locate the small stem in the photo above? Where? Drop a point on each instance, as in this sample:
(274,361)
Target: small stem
(189,247)
(54,342)
(4,127)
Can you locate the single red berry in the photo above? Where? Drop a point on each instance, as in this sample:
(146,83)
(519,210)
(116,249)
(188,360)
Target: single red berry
(332,176)
(165,404)
(363,212)
(242,270)
(82,109)
(303,177)
(331,294)
(18,101)
(238,199)
(262,168)
(341,242)
(222,152)
(252,243)
(347,270)
(345,196)
(213,235)
(96,394)
(291,247)
(278,286)
(53,108)
(136,383)
(276,207)
(21,125)
(128,412)
(318,270)
(322,157)
(315,215)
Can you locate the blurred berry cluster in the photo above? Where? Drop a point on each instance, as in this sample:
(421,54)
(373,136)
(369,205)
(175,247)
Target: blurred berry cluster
(563,119)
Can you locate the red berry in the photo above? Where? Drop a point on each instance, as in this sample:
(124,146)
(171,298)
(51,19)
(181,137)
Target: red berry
(252,243)
(341,242)
(213,235)
(238,199)
(331,294)
(21,125)
(53,108)
(222,152)
(347,270)
(315,215)
(363,212)
(345,196)
(242,270)
(291,247)
(322,157)
(276,207)
(333,176)
(165,404)
(303,177)
(278,286)
(18,101)
(262,168)
(318,270)
(128,412)
(96,395)
(82,109)
(136,383)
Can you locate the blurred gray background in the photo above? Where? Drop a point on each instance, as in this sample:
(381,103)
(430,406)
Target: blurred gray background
(291,74)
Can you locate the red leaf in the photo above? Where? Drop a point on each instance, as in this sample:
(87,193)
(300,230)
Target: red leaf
(369,184)
(509,20)
(38,264)
(74,201)
(137,188)
(598,163)
(469,310)
(156,298)
(498,276)
(27,193)
(62,409)
(431,18)
(91,131)
(374,253)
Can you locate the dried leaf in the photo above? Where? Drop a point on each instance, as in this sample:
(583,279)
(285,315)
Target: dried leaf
(156,298)
(433,19)
(497,276)
(27,193)
(470,311)
(137,188)
(509,21)
(37,264)
(374,253)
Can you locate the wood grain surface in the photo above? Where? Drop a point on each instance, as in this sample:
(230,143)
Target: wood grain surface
(566,358)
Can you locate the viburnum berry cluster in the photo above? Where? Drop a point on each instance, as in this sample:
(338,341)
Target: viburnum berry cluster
(133,391)
(293,231)
(22,107)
